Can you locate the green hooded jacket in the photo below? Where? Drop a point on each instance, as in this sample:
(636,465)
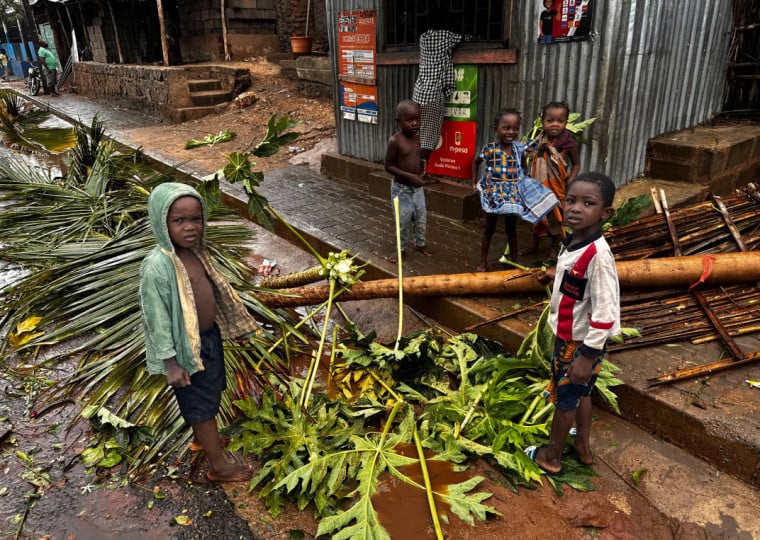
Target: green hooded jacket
(166,296)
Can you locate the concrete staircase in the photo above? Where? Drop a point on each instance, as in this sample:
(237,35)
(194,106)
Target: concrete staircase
(691,163)
(207,96)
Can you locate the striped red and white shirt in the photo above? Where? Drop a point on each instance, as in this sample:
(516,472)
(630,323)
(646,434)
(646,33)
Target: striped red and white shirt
(585,303)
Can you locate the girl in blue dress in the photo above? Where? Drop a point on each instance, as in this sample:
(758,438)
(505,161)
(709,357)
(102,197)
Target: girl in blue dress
(504,188)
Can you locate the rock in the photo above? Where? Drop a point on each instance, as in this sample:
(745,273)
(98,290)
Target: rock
(246,99)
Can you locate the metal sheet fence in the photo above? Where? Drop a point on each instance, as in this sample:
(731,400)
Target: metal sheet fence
(651,67)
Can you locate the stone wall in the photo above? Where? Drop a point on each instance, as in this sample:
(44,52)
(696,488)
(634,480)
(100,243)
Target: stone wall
(291,21)
(251,27)
(155,90)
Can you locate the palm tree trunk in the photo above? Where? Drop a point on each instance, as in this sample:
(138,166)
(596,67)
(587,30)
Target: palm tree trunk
(660,273)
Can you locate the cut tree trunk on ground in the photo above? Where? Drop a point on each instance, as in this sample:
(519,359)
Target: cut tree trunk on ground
(658,273)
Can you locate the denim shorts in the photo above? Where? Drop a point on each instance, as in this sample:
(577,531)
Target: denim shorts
(565,395)
(200,401)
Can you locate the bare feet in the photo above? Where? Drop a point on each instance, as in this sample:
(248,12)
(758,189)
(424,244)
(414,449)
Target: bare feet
(584,454)
(546,465)
(394,258)
(195,446)
(481,268)
(424,250)
(231,472)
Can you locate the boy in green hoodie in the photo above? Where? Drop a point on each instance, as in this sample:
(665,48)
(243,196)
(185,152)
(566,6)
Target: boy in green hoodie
(187,309)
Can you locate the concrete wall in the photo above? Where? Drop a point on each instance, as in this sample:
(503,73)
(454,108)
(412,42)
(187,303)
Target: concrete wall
(154,90)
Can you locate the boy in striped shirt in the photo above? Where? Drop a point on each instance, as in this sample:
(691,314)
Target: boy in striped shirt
(584,313)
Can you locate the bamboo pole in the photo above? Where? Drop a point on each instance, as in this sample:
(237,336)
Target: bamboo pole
(663,272)
(704,370)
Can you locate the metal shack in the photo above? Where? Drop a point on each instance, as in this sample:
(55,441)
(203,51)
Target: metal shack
(641,68)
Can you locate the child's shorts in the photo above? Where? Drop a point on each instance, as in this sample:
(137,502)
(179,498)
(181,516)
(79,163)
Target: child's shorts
(200,401)
(562,393)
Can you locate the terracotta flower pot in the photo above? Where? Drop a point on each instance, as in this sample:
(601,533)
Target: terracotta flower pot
(300,44)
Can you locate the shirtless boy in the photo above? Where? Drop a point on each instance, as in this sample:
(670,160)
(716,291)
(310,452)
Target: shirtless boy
(403,159)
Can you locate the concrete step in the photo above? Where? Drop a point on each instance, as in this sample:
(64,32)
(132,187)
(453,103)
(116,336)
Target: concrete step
(719,156)
(677,193)
(203,85)
(209,98)
(698,500)
(289,66)
(450,200)
(191,113)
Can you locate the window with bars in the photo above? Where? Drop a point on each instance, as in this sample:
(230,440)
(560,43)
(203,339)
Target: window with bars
(484,20)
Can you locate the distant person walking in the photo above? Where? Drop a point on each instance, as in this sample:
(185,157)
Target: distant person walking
(49,64)
(435,81)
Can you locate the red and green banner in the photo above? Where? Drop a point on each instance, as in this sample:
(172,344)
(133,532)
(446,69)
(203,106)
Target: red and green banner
(457,146)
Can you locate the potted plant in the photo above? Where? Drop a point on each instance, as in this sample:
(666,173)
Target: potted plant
(302,44)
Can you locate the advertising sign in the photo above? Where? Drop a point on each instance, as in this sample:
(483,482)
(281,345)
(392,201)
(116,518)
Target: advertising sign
(565,20)
(456,152)
(357,45)
(456,148)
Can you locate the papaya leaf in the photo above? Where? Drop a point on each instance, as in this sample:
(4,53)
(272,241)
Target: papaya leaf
(465,504)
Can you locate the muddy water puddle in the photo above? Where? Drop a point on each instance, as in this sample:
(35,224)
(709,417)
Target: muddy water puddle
(403,508)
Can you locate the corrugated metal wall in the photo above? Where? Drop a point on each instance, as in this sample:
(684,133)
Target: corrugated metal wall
(651,67)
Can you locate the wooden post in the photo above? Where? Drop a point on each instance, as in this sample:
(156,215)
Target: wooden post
(162,27)
(227,55)
(115,32)
(85,45)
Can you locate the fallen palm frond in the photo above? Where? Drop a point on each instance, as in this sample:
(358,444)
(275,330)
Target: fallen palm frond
(83,247)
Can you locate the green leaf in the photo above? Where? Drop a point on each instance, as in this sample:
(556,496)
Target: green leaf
(465,504)
(210,140)
(637,475)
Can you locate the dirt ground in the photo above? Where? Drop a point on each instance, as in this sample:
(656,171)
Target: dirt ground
(272,92)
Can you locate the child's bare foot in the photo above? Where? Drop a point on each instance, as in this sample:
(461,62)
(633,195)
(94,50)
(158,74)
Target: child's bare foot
(195,446)
(424,250)
(230,472)
(394,258)
(548,466)
(481,268)
(584,453)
